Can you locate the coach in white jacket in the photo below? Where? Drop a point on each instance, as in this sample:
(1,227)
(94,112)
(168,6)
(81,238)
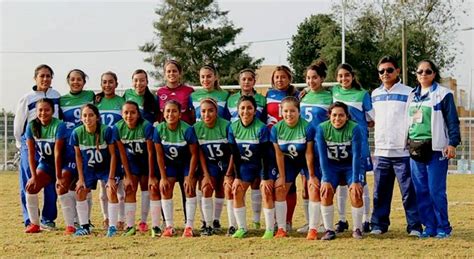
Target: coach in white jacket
(391,157)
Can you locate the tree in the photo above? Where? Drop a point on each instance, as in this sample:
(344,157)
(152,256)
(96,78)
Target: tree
(196,32)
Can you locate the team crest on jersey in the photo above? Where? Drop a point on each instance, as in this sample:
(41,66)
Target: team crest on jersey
(163,97)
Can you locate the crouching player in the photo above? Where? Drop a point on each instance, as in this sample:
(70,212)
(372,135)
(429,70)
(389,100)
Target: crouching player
(339,146)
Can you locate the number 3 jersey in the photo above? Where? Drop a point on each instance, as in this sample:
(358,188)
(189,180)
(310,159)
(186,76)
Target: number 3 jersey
(134,141)
(94,148)
(44,144)
(175,143)
(214,143)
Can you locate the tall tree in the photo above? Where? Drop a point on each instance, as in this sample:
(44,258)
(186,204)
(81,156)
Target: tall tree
(196,32)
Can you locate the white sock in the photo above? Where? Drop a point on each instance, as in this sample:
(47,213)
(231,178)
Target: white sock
(67,208)
(103,199)
(328,217)
(207,209)
(72,194)
(314,211)
(113,213)
(305,210)
(145,208)
(32,206)
(357,218)
(341,194)
(190,211)
(121,199)
(256,197)
(199,204)
(83,212)
(130,209)
(218,206)
(269,215)
(366,199)
(280,212)
(168,211)
(230,213)
(240,215)
(89,203)
(155,209)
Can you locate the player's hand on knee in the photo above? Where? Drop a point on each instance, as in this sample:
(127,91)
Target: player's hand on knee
(326,190)
(356,190)
(267,186)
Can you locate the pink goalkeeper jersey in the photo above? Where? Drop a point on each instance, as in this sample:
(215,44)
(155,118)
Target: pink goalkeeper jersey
(182,93)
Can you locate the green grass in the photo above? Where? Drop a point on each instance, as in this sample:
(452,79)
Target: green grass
(395,243)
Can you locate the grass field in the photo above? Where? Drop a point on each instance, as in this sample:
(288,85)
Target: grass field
(395,243)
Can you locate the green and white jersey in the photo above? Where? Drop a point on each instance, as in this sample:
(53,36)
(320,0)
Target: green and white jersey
(314,106)
(250,139)
(219,96)
(292,140)
(131,95)
(70,105)
(214,142)
(175,142)
(44,144)
(419,113)
(111,110)
(234,100)
(134,140)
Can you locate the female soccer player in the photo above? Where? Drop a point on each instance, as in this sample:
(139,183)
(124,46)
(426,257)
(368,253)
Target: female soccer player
(350,92)
(250,141)
(314,109)
(177,156)
(26,112)
(110,108)
(142,95)
(433,136)
(96,159)
(216,161)
(247,79)
(45,139)
(134,138)
(281,88)
(70,111)
(339,147)
(293,140)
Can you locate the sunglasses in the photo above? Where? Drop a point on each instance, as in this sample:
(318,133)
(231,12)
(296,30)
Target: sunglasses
(427,72)
(389,70)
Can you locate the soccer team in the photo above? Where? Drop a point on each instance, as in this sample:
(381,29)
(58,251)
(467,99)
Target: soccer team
(216,146)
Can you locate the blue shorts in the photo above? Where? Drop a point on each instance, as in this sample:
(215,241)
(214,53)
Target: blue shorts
(177,171)
(139,168)
(217,170)
(46,168)
(70,166)
(248,173)
(291,172)
(91,178)
(338,172)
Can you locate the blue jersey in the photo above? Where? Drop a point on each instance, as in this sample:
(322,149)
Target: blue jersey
(175,143)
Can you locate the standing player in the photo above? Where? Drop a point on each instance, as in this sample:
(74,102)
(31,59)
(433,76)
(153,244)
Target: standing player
(314,109)
(177,156)
(134,138)
(96,159)
(216,162)
(339,146)
(249,140)
(110,108)
(293,140)
(350,92)
(45,138)
(26,112)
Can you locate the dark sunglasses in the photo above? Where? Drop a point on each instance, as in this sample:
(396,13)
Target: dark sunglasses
(389,70)
(427,72)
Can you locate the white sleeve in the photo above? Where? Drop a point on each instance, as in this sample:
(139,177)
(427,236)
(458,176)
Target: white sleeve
(21,117)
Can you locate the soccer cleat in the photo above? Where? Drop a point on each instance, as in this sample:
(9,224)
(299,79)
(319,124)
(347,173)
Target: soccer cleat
(91,226)
(216,225)
(156,231)
(130,231)
(426,234)
(329,235)
(414,233)
(48,225)
(357,234)
(256,225)
(341,226)
(240,233)
(207,232)
(268,234)
(82,232)
(312,234)
(32,228)
(203,226)
(111,231)
(188,232)
(289,227)
(281,233)
(69,230)
(120,225)
(105,223)
(376,232)
(143,227)
(169,232)
(231,231)
(442,235)
(366,227)
(303,229)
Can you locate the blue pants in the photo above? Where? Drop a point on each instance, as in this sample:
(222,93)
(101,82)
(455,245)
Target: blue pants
(429,180)
(50,211)
(385,171)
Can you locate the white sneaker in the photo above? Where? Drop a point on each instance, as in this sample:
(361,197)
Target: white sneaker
(414,233)
(376,232)
(304,229)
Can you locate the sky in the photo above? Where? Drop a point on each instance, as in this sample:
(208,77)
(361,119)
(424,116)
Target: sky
(76,34)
